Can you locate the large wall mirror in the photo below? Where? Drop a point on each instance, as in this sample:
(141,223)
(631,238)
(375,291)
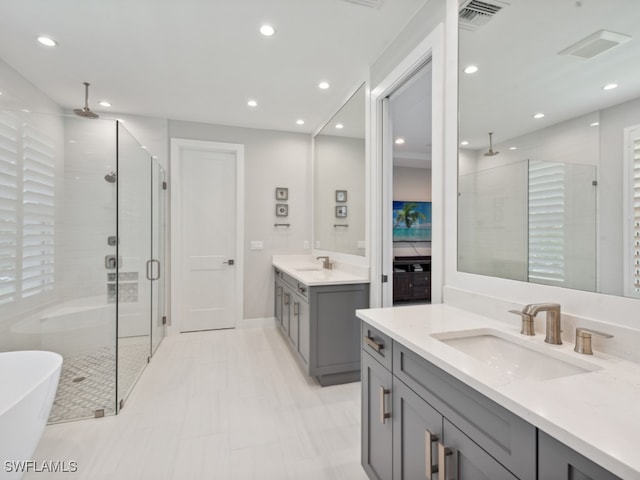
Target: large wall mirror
(339,180)
(549,156)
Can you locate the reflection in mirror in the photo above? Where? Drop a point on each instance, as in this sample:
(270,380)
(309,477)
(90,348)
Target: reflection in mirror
(339,180)
(551,200)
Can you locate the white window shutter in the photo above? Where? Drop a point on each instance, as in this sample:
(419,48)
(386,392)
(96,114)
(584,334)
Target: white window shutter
(546,222)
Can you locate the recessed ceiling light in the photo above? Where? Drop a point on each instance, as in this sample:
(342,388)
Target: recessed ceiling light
(513,148)
(47,41)
(252,103)
(538,115)
(104,103)
(399,141)
(323,85)
(339,126)
(471,69)
(0,93)
(594,124)
(267,30)
(300,122)
(610,86)
(464,143)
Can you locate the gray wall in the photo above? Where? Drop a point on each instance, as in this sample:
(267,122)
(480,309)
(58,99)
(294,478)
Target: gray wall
(272,159)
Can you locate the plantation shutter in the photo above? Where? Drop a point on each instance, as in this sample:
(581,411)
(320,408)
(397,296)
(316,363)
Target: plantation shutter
(546,222)
(38,212)
(8,206)
(635,222)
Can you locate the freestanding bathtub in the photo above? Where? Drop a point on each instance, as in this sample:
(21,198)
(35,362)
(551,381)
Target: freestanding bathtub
(28,381)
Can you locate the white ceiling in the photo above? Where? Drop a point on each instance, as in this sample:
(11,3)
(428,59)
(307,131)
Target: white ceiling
(200,60)
(521,73)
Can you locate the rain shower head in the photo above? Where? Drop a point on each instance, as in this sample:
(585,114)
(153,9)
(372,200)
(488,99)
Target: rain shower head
(85,112)
(490,153)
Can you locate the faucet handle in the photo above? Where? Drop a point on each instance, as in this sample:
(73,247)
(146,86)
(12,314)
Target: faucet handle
(583,340)
(527,322)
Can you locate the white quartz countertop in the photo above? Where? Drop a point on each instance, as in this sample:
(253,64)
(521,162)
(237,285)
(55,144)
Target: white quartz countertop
(596,413)
(308,270)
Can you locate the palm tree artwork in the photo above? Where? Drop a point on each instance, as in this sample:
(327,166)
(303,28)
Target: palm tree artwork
(410,215)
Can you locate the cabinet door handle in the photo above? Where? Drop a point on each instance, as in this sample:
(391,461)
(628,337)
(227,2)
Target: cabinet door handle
(279,291)
(296,309)
(443,453)
(383,410)
(287,299)
(377,346)
(430,468)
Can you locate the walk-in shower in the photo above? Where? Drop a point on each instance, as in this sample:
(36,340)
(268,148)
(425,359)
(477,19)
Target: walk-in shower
(82,231)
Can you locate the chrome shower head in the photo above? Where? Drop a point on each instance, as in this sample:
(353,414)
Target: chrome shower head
(85,112)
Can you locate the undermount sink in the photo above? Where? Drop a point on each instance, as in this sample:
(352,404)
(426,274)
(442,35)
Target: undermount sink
(517,360)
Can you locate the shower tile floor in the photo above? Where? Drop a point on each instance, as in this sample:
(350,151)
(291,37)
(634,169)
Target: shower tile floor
(223,405)
(87,381)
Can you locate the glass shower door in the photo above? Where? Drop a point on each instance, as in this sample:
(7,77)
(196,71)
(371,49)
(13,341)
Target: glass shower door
(156,273)
(134,253)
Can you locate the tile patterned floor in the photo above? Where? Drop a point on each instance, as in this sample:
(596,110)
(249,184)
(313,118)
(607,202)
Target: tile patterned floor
(223,405)
(87,382)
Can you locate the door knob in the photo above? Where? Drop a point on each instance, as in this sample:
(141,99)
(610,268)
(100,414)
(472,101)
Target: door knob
(230,262)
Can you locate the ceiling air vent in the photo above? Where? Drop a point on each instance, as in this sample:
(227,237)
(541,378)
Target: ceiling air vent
(595,44)
(367,3)
(475,13)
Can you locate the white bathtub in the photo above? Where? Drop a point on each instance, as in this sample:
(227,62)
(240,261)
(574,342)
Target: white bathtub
(70,328)
(29,380)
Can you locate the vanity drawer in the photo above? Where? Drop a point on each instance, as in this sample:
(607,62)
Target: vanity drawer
(505,436)
(377,344)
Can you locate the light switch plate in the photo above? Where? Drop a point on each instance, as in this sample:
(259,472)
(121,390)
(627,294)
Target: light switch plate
(361,244)
(257,245)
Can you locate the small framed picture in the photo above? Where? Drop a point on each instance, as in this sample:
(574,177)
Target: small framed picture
(341,195)
(282,193)
(341,210)
(282,210)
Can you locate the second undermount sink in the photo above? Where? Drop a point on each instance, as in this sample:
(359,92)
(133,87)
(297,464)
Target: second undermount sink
(515,359)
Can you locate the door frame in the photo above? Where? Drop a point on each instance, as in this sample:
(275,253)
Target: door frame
(175,190)
(431,48)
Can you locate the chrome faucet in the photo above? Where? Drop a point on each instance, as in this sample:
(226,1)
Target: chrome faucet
(553,320)
(326,262)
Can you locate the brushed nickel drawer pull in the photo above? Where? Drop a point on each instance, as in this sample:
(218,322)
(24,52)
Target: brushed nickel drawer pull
(443,453)
(377,346)
(383,411)
(430,468)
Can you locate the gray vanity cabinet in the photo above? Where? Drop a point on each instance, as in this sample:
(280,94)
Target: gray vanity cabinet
(377,429)
(556,461)
(321,326)
(417,429)
(468,436)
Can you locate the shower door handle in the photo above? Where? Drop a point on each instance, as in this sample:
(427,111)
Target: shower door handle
(150,275)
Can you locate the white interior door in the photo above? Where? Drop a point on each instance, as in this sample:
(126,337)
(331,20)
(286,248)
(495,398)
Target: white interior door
(209,222)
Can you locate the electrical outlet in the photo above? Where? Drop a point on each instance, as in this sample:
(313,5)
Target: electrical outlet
(257,245)
(306,245)
(317,244)
(361,244)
